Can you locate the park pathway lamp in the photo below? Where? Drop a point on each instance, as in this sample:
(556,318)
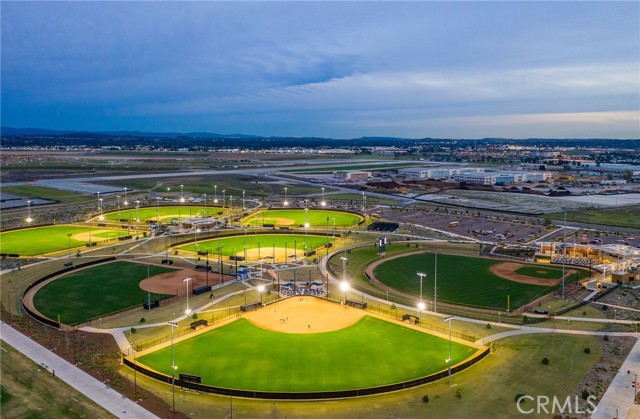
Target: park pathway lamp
(126,203)
(173,325)
(449,319)
(186,282)
(286,203)
(29,219)
(261,289)
(323,202)
(215,194)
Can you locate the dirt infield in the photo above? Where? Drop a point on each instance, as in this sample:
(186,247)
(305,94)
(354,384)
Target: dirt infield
(508,270)
(84,237)
(171,283)
(304,315)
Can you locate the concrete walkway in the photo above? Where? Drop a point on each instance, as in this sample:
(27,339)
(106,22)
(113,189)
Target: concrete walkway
(112,401)
(617,401)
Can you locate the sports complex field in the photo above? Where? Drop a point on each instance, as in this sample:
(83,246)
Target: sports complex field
(370,352)
(279,246)
(298,217)
(95,292)
(162,213)
(42,240)
(472,281)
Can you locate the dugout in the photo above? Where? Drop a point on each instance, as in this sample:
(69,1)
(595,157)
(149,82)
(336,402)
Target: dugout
(251,306)
(410,318)
(357,304)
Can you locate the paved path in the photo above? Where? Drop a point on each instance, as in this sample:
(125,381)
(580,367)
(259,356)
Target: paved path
(619,396)
(109,399)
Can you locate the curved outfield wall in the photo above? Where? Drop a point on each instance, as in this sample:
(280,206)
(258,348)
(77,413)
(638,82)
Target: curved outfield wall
(309,395)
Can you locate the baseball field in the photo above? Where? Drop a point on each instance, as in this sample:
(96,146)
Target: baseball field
(42,240)
(252,355)
(162,213)
(254,247)
(298,217)
(94,292)
(478,282)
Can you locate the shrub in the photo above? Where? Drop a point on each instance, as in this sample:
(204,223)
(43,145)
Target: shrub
(525,319)
(425,398)
(587,350)
(584,312)
(458,394)
(518,396)
(585,394)
(142,320)
(606,338)
(545,360)
(488,325)
(175,252)
(132,330)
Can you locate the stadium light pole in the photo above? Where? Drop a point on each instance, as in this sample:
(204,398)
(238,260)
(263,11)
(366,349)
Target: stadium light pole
(69,246)
(421,304)
(126,203)
(118,196)
(173,325)
(364,202)
(344,286)
(186,282)
(215,194)
(285,197)
(323,203)
(224,198)
(205,206)
(29,219)
(564,248)
(435,285)
(181,194)
(243,202)
(449,319)
(261,288)
(101,217)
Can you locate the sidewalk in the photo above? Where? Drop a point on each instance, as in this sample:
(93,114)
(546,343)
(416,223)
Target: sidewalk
(101,394)
(619,396)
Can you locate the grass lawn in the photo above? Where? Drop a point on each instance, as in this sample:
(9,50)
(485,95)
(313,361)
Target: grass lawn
(627,216)
(545,272)
(461,280)
(372,352)
(165,213)
(298,217)
(96,291)
(42,240)
(235,245)
(46,193)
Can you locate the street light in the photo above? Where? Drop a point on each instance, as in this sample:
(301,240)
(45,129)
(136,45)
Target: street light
(29,219)
(182,193)
(215,194)
(173,369)
(449,319)
(205,206)
(421,304)
(223,198)
(186,282)
(243,206)
(126,203)
(323,203)
(118,196)
(285,197)
(306,218)
(260,288)
(364,202)
(101,217)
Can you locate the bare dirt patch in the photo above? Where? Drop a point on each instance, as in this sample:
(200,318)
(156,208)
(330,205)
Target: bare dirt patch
(508,270)
(304,315)
(172,283)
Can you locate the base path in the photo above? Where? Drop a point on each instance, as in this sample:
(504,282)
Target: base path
(109,399)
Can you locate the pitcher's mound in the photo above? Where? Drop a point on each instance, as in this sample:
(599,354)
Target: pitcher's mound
(304,315)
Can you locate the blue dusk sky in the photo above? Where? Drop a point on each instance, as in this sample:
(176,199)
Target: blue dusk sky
(336,69)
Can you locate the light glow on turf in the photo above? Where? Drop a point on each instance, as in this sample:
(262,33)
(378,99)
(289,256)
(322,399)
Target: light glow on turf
(344,286)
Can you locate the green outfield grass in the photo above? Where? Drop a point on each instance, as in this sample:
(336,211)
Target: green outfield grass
(164,213)
(235,245)
(465,280)
(372,352)
(298,217)
(42,240)
(97,291)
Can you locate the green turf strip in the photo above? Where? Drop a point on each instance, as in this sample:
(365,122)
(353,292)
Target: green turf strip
(164,213)
(461,280)
(543,272)
(96,291)
(372,352)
